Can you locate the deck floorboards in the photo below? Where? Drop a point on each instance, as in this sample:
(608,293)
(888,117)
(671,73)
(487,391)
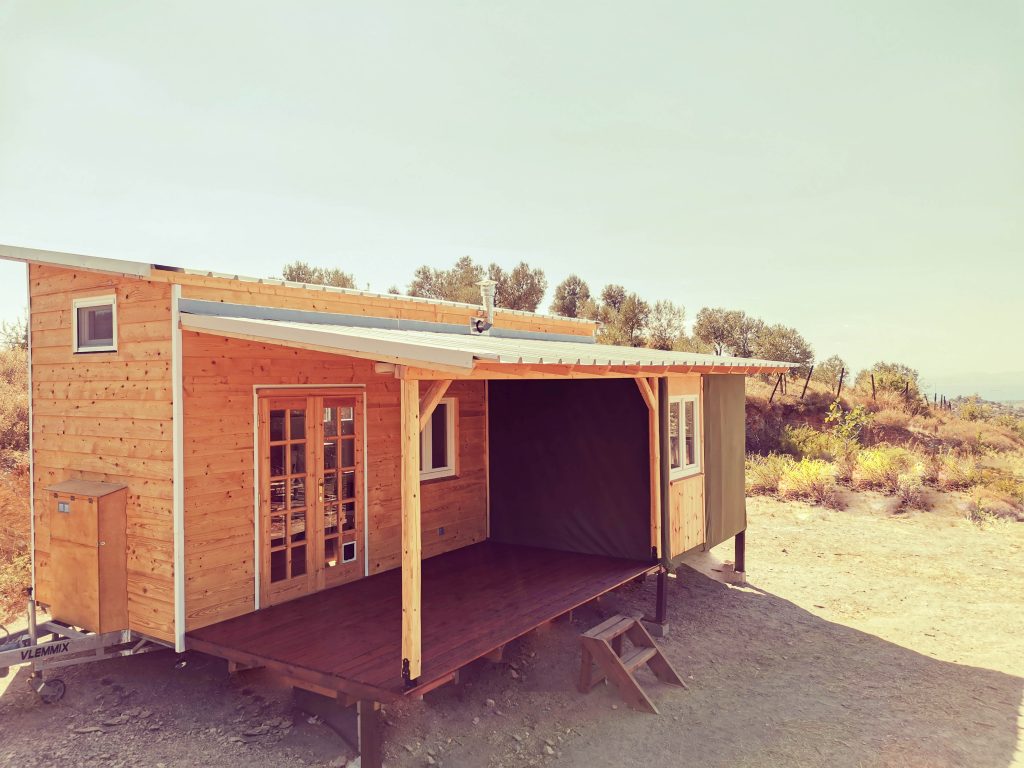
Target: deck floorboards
(475,599)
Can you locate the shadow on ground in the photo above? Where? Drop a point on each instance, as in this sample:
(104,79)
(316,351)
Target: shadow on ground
(775,685)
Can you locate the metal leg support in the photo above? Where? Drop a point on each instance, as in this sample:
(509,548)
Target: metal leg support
(740,558)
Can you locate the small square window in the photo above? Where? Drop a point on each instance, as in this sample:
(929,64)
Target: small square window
(94,322)
(438,443)
(683,435)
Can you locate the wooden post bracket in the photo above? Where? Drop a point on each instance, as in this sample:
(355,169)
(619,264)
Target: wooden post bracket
(430,400)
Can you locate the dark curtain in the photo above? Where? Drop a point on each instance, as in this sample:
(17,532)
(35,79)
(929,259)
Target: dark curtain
(569,466)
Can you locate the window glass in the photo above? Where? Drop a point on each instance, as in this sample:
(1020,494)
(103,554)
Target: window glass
(689,420)
(673,435)
(437,442)
(439,437)
(95,326)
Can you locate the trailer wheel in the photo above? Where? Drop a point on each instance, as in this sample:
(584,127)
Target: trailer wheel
(50,691)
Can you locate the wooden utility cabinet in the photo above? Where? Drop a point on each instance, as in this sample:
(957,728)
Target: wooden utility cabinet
(88,556)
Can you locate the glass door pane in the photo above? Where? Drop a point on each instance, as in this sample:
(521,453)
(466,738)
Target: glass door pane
(288,496)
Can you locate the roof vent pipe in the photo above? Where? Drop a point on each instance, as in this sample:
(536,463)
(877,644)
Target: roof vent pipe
(487,287)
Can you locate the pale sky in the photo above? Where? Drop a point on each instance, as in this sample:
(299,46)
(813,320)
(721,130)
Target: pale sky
(853,169)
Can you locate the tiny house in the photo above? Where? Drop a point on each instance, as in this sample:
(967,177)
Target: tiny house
(361,492)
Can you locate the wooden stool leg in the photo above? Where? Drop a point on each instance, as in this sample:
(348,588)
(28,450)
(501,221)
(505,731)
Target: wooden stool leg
(586,671)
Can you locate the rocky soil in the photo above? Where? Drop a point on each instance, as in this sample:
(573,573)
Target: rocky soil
(862,638)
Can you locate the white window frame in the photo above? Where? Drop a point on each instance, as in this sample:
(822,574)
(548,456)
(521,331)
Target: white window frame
(93,301)
(426,442)
(686,470)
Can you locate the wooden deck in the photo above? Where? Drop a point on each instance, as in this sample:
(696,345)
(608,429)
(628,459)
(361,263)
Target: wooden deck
(475,599)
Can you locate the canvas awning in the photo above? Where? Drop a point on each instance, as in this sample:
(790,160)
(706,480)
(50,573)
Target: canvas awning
(461,352)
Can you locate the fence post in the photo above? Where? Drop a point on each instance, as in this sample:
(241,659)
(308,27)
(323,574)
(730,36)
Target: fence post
(842,373)
(806,382)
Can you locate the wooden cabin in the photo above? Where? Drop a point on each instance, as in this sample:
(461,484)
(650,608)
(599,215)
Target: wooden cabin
(363,492)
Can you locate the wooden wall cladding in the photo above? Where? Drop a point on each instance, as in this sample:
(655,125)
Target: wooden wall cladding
(107,416)
(686,495)
(312,300)
(219,376)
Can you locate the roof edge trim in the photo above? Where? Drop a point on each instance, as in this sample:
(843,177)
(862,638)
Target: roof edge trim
(75,261)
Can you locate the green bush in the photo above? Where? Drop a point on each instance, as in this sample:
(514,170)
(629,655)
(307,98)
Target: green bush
(764,473)
(957,472)
(811,480)
(880,467)
(805,442)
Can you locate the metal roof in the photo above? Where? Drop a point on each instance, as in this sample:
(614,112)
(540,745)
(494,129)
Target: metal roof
(432,349)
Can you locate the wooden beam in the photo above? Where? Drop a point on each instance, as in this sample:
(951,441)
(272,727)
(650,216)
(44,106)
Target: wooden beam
(411,537)
(431,398)
(385,369)
(654,453)
(647,394)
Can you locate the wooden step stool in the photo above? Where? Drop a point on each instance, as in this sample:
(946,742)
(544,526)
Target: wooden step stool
(603,645)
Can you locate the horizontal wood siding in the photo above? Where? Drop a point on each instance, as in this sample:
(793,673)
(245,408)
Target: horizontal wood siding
(686,495)
(107,416)
(312,300)
(218,379)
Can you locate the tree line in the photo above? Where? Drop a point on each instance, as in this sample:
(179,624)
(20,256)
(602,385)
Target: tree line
(626,318)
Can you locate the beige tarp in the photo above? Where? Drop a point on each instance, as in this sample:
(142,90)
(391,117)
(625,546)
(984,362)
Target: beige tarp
(725,449)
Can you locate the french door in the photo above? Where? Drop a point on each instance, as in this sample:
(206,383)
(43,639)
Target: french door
(310,492)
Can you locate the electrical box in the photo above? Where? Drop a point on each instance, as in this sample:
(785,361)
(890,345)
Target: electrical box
(88,554)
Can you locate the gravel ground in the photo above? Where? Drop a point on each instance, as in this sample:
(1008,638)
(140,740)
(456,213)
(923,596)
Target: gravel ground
(862,638)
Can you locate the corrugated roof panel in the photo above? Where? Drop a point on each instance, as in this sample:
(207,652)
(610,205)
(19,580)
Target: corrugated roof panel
(427,348)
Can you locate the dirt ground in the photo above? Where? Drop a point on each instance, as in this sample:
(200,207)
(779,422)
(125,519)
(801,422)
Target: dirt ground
(861,639)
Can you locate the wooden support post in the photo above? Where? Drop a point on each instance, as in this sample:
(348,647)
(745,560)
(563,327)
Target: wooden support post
(872,386)
(430,400)
(650,396)
(740,555)
(411,535)
(842,373)
(806,382)
(778,381)
(661,609)
(371,753)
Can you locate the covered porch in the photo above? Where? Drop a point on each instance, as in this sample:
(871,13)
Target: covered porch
(563,525)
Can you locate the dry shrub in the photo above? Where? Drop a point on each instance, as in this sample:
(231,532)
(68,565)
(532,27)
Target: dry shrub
(909,492)
(990,504)
(890,425)
(13,406)
(978,436)
(15,573)
(956,472)
(891,418)
(811,480)
(880,467)
(764,473)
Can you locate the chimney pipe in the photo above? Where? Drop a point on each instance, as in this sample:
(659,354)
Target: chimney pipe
(482,325)
(487,287)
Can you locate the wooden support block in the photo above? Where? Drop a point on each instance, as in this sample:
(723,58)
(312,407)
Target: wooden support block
(371,752)
(237,666)
(496,655)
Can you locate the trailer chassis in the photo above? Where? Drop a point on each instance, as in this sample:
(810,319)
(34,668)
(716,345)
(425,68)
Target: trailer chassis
(66,647)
